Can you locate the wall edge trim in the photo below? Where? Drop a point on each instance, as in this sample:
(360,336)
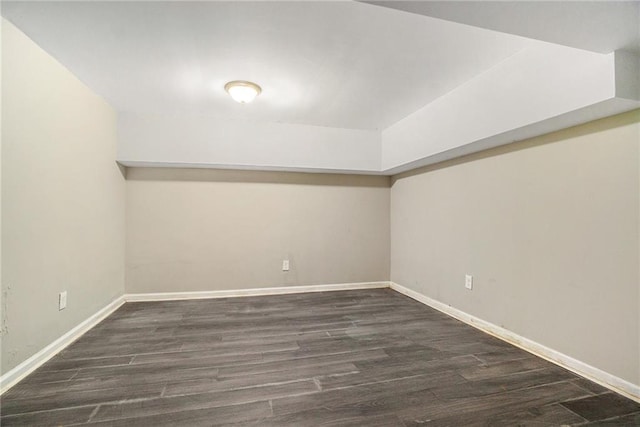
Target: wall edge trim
(610,381)
(15,375)
(234,293)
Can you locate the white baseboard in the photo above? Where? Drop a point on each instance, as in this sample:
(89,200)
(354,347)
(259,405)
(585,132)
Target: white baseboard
(281,290)
(594,374)
(12,377)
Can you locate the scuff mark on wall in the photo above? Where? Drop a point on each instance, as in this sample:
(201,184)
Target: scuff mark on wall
(4,328)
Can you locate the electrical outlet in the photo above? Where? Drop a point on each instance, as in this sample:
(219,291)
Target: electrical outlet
(468,281)
(62,300)
(285,265)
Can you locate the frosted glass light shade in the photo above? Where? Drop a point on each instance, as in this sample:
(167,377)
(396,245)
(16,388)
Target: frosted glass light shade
(242,91)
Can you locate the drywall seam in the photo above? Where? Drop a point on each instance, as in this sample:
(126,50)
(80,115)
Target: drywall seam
(592,373)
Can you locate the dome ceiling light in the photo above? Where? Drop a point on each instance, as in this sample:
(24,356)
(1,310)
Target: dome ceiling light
(242,91)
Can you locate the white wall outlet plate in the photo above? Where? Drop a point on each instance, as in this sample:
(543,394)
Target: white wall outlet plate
(62,300)
(285,265)
(468,281)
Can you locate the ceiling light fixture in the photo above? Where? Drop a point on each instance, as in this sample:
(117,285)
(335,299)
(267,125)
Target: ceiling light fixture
(242,91)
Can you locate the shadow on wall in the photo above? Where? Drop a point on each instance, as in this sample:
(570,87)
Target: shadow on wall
(265,177)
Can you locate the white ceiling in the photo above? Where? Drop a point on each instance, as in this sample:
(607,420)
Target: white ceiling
(600,26)
(347,86)
(336,64)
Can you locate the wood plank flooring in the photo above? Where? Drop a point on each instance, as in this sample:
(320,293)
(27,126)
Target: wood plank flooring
(352,358)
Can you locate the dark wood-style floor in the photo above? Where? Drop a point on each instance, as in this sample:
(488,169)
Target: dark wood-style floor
(354,358)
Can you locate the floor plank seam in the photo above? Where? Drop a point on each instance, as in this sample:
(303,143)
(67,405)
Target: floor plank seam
(93,414)
(575,413)
(41,411)
(589,394)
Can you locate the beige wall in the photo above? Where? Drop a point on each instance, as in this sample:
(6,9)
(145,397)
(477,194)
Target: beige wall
(549,228)
(63,200)
(199,230)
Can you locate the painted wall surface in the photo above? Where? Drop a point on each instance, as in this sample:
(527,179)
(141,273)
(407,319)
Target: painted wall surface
(549,229)
(518,92)
(201,230)
(63,200)
(201,140)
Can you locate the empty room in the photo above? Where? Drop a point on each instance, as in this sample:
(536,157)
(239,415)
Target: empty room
(320,213)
